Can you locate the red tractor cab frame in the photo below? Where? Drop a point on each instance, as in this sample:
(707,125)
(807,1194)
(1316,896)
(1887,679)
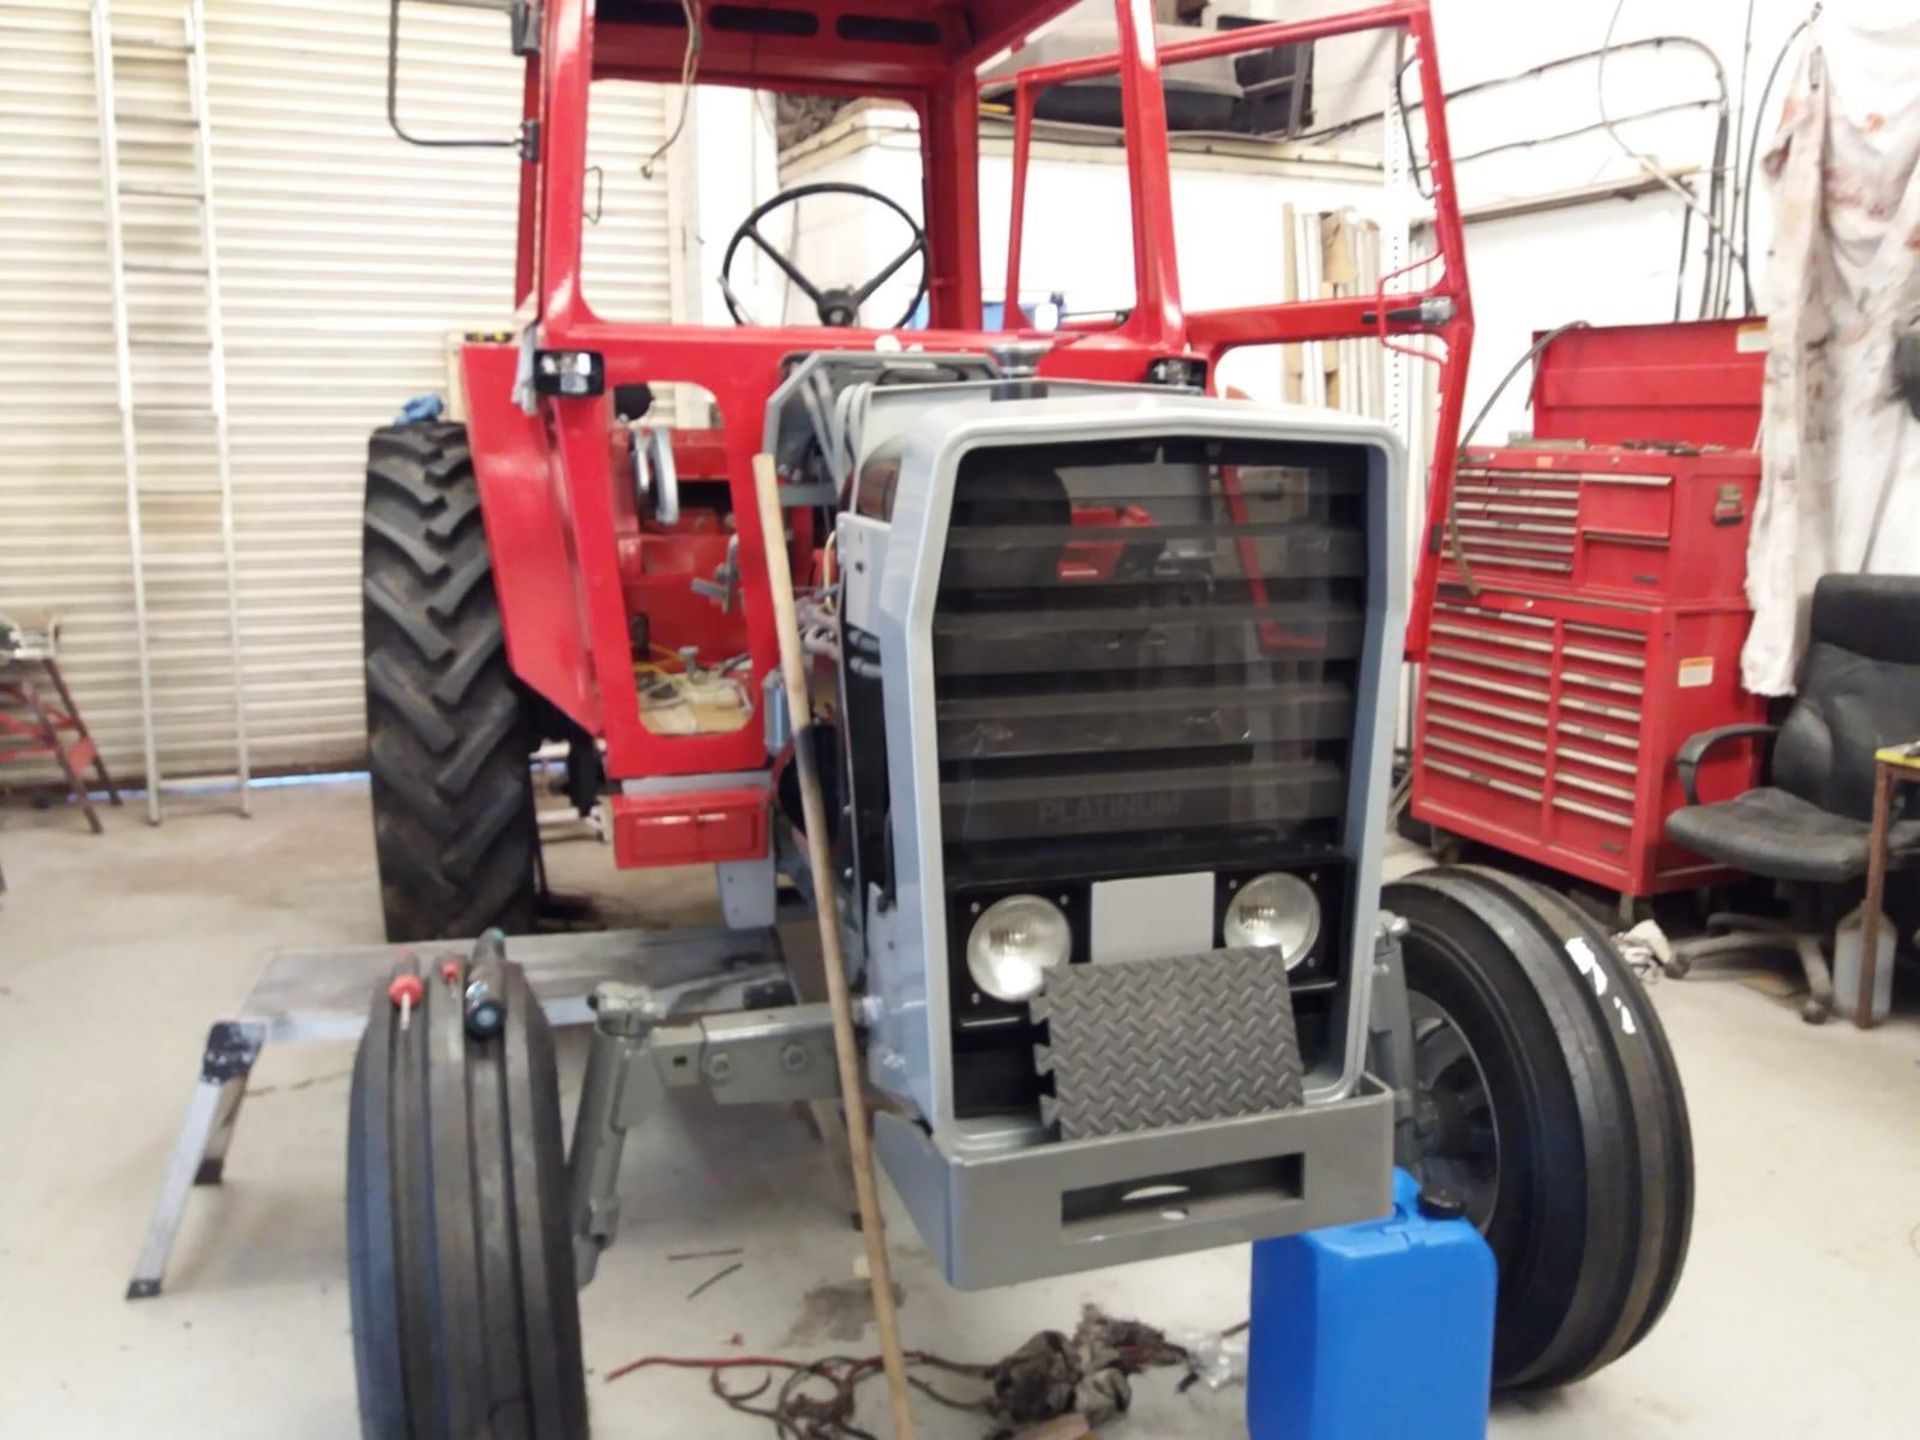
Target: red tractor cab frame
(574,561)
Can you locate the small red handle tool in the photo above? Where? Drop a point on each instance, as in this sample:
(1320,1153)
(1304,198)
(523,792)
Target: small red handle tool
(406,991)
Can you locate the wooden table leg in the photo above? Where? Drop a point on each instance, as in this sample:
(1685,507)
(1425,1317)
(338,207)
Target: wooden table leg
(1876,884)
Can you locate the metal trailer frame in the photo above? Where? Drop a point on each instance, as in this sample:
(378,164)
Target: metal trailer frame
(567,564)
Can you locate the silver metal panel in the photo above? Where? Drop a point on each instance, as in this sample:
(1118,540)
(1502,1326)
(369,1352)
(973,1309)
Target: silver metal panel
(749,893)
(1371,779)
(1152,916)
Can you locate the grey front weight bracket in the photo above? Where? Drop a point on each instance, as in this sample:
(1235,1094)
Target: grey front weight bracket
(741,1057)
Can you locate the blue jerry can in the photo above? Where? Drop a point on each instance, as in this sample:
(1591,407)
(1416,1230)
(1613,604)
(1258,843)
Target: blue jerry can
(1377,1331)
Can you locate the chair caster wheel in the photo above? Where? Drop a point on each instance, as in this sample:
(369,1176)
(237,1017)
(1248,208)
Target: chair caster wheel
(1677,968)
(1815,1012)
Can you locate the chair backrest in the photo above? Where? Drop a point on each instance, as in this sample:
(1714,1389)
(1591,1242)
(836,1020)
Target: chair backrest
(1859,690)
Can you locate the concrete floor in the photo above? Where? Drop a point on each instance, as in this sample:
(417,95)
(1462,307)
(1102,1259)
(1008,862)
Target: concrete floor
(1797,1315)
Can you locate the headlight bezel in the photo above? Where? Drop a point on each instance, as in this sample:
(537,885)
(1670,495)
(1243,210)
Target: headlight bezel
(1064,942)
(1301,887)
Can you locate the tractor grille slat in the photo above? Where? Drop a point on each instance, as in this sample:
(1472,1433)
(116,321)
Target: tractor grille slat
(1231,712)
(1166,798)
(1143,640)
(1146,639)
(978,557)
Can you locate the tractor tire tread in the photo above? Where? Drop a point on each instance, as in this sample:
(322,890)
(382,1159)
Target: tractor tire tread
(448,738)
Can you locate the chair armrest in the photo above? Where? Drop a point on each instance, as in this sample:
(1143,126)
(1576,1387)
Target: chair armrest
(1696,747)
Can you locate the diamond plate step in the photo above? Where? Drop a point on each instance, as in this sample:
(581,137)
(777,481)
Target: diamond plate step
(1143,1044)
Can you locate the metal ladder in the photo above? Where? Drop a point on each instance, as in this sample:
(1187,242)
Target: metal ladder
(169,151)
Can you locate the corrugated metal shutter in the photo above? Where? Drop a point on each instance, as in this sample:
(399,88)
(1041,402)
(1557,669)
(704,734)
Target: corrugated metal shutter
(346,259)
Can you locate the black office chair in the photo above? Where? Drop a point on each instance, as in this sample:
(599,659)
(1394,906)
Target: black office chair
(1808,828)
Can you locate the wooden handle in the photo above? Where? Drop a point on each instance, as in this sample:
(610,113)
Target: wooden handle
(793,674)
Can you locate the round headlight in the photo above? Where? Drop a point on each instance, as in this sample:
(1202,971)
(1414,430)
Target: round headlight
(1278,911)
(1014,943)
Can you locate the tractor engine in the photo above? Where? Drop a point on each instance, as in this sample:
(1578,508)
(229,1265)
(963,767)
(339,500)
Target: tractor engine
(1110,668)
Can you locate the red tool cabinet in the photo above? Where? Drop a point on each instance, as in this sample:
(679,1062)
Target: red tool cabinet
(1595,624)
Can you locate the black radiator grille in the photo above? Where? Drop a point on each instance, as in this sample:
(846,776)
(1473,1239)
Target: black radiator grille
(1145,652)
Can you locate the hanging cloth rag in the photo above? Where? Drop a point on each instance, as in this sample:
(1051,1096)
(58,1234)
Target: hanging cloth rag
(1840,479)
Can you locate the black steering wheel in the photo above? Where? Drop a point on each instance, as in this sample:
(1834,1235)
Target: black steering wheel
(838,306)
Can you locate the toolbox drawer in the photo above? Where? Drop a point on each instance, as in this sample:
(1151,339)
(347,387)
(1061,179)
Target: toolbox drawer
(1649,524)
(1547,728)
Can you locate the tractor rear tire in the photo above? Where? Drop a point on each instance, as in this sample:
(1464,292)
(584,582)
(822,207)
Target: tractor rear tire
(466,1321)
(1556,1102)
(448,739)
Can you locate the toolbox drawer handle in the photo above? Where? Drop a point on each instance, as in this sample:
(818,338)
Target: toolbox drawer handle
(1475,777)
(1626,537)
(1593,812)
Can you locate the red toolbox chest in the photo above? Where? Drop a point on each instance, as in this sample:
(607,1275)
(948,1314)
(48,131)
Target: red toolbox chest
(1547,726)
(1598,618)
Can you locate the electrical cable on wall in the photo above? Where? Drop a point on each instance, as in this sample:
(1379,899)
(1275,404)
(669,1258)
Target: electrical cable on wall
(1415,170)
(1720,170)
(1676,108)
(1739,129)
(1680,265)
(1535,72)
(1658,172)
(689,71)
(1753,141)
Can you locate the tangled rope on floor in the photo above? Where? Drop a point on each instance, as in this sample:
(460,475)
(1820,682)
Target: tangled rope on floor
(1087,1373)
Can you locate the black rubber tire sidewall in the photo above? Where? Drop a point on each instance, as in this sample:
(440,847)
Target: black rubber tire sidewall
(1662,1124)
(1564,1225)
(461,1280)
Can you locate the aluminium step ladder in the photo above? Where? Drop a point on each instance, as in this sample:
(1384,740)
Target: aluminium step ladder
(156,155)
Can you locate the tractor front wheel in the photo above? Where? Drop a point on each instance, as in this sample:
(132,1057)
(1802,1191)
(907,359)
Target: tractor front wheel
(1547,1100)
(448,738)
(466,1321)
